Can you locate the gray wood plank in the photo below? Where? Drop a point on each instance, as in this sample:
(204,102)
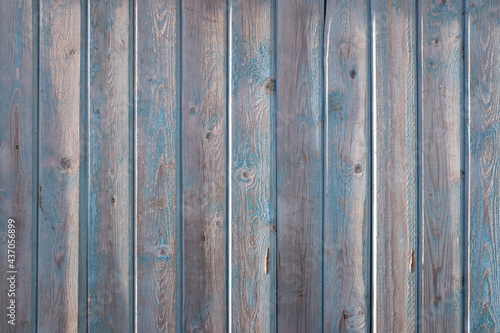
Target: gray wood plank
(300,159)
(204,109)
(18,144)
(484,159)
(253,265)
(442,154)
(158,229)
(59,165)
(395,83)
(110,158)
(347,190)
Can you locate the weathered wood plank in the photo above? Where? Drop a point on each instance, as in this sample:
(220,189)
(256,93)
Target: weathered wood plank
(347,190)
(442,153)
(204,108)
(59,165)
(484,159)
(18,144)
(158,229)
(110,183)
(395,83)
(300,159)
(253,265)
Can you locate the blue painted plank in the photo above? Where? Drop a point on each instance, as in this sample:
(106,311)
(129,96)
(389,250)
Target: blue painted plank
(158,228)
(395,83)
(110,303)
(300,159)
(441,75)
(59,165)
(18,173)
(347,189)
(204,144)
(484,158)
(253,264)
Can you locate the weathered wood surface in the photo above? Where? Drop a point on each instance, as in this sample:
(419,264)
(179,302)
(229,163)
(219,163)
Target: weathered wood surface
(253,265)
(59,165)
(395,192)
(484,185)
(347,163)
(299,162)
(207,165)
(204,144)
(18,144)
(441,75)
(110,291)
(158,226)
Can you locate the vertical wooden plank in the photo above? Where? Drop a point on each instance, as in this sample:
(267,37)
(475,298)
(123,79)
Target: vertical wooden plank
(300,159)
(396,170)
(18,144)
(441,111)
(110,182)
(204,146)
(484,158)
(347,190)
(158,238)
(253,204)
(59,165)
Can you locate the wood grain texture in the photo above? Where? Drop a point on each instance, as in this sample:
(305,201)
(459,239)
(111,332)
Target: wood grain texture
(111,188)
(484,159)
(396,170)
(204,109)
(300,159)
(159,242)
(253,265)
(442,153)
(18,142)
(59,165)
(347,190)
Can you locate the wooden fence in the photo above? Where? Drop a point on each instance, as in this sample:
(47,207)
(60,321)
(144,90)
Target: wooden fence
(250,165)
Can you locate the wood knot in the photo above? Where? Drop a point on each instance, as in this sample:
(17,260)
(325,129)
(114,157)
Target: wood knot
(353,73)
(97,111)
(113,200)
(245,174)
(192,110)
(300,295)
(65,163)
(72,52)
(209,136)
(203,238)
(270,86)
(17,146)
(358,168)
